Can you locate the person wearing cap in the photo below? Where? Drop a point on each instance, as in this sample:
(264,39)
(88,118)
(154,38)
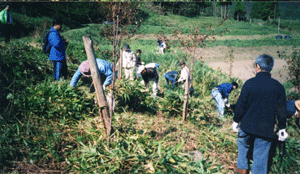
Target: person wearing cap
(6,22)
(220,94)
(171,76)
(105,69)
(293,108)
(262,101)
(138,62)
(58,50)
(149,74)
(128,62)
(184,75)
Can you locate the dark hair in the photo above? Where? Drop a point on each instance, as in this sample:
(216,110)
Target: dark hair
(235,84)
(57,21)
(139,51)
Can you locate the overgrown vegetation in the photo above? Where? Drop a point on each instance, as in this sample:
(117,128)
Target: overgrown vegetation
(48,126)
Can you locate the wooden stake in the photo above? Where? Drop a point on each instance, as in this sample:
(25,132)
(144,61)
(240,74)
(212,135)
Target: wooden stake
(103,108)
(120,65)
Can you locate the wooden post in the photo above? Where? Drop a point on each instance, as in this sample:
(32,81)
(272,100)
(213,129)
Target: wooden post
(103,108)
(186,97)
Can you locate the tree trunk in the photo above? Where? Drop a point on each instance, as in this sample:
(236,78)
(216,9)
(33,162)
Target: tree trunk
(186,97)
(237,17)
(221,12)
(103,109)
(275,12)
(225,13)
(120,65)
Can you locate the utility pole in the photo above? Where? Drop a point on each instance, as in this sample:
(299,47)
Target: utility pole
(103,108)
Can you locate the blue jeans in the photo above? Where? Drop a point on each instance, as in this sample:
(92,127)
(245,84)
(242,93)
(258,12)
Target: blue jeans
(60,69)
(219,101)
(261,147)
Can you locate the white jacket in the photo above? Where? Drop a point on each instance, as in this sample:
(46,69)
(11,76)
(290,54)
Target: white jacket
(185,74)
(128,59)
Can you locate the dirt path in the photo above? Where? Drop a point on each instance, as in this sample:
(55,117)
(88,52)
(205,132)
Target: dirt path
(230,37)
(244,69)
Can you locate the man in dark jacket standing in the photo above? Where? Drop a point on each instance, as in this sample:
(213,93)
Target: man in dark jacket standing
(261,102)
(58,50)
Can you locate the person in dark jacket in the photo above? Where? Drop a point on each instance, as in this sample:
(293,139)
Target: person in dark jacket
(57,53)
(261,102)
(147,75)
(293,108)
(220,95)
(138,62)
(6,22)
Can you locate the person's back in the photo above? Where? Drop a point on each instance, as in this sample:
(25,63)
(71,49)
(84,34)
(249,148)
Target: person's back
(265,97)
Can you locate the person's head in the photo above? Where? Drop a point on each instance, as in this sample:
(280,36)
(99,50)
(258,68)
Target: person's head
(138,52)
(7,7)
(297,104)
(57,24)
(126,47)
(264,63)
(85,68)
(234,85)
(182,64)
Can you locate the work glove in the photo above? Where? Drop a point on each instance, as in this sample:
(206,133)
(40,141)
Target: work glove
(227,105)
(226,100)
(147,90)
(282,135)
(235,127)
(103,87)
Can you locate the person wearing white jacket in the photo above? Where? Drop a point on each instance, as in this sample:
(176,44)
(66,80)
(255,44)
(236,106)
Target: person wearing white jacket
(128,62)
(184,74)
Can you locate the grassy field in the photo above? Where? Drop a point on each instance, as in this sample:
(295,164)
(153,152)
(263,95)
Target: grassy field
(49,126)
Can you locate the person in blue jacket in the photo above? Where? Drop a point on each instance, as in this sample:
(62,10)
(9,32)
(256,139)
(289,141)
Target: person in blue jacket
(105,69)
(171,76)
(293,108)
(220,95)
(57,52)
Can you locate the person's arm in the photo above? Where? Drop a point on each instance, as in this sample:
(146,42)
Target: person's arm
(109,76)
(241,104)
(75,78)
(183,75)
(282,111)
(55,40)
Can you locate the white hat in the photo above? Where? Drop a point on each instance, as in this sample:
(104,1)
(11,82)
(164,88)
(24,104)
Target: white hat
(141,68)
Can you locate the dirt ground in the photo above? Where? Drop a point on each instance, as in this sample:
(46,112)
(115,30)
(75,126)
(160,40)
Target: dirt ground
(243,64)
(244,69)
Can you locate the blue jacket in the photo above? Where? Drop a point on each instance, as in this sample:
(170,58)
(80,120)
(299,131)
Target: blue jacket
(225,89)
(57,52)
(105,69)
(261,102)
(291,108)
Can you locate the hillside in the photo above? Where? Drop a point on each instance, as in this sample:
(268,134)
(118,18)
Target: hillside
(49,127)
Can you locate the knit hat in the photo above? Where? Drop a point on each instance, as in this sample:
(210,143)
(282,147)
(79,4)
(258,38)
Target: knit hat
(127,47)
(297,104)
(85,68)
(265,62)
(181,63)
(141,68)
